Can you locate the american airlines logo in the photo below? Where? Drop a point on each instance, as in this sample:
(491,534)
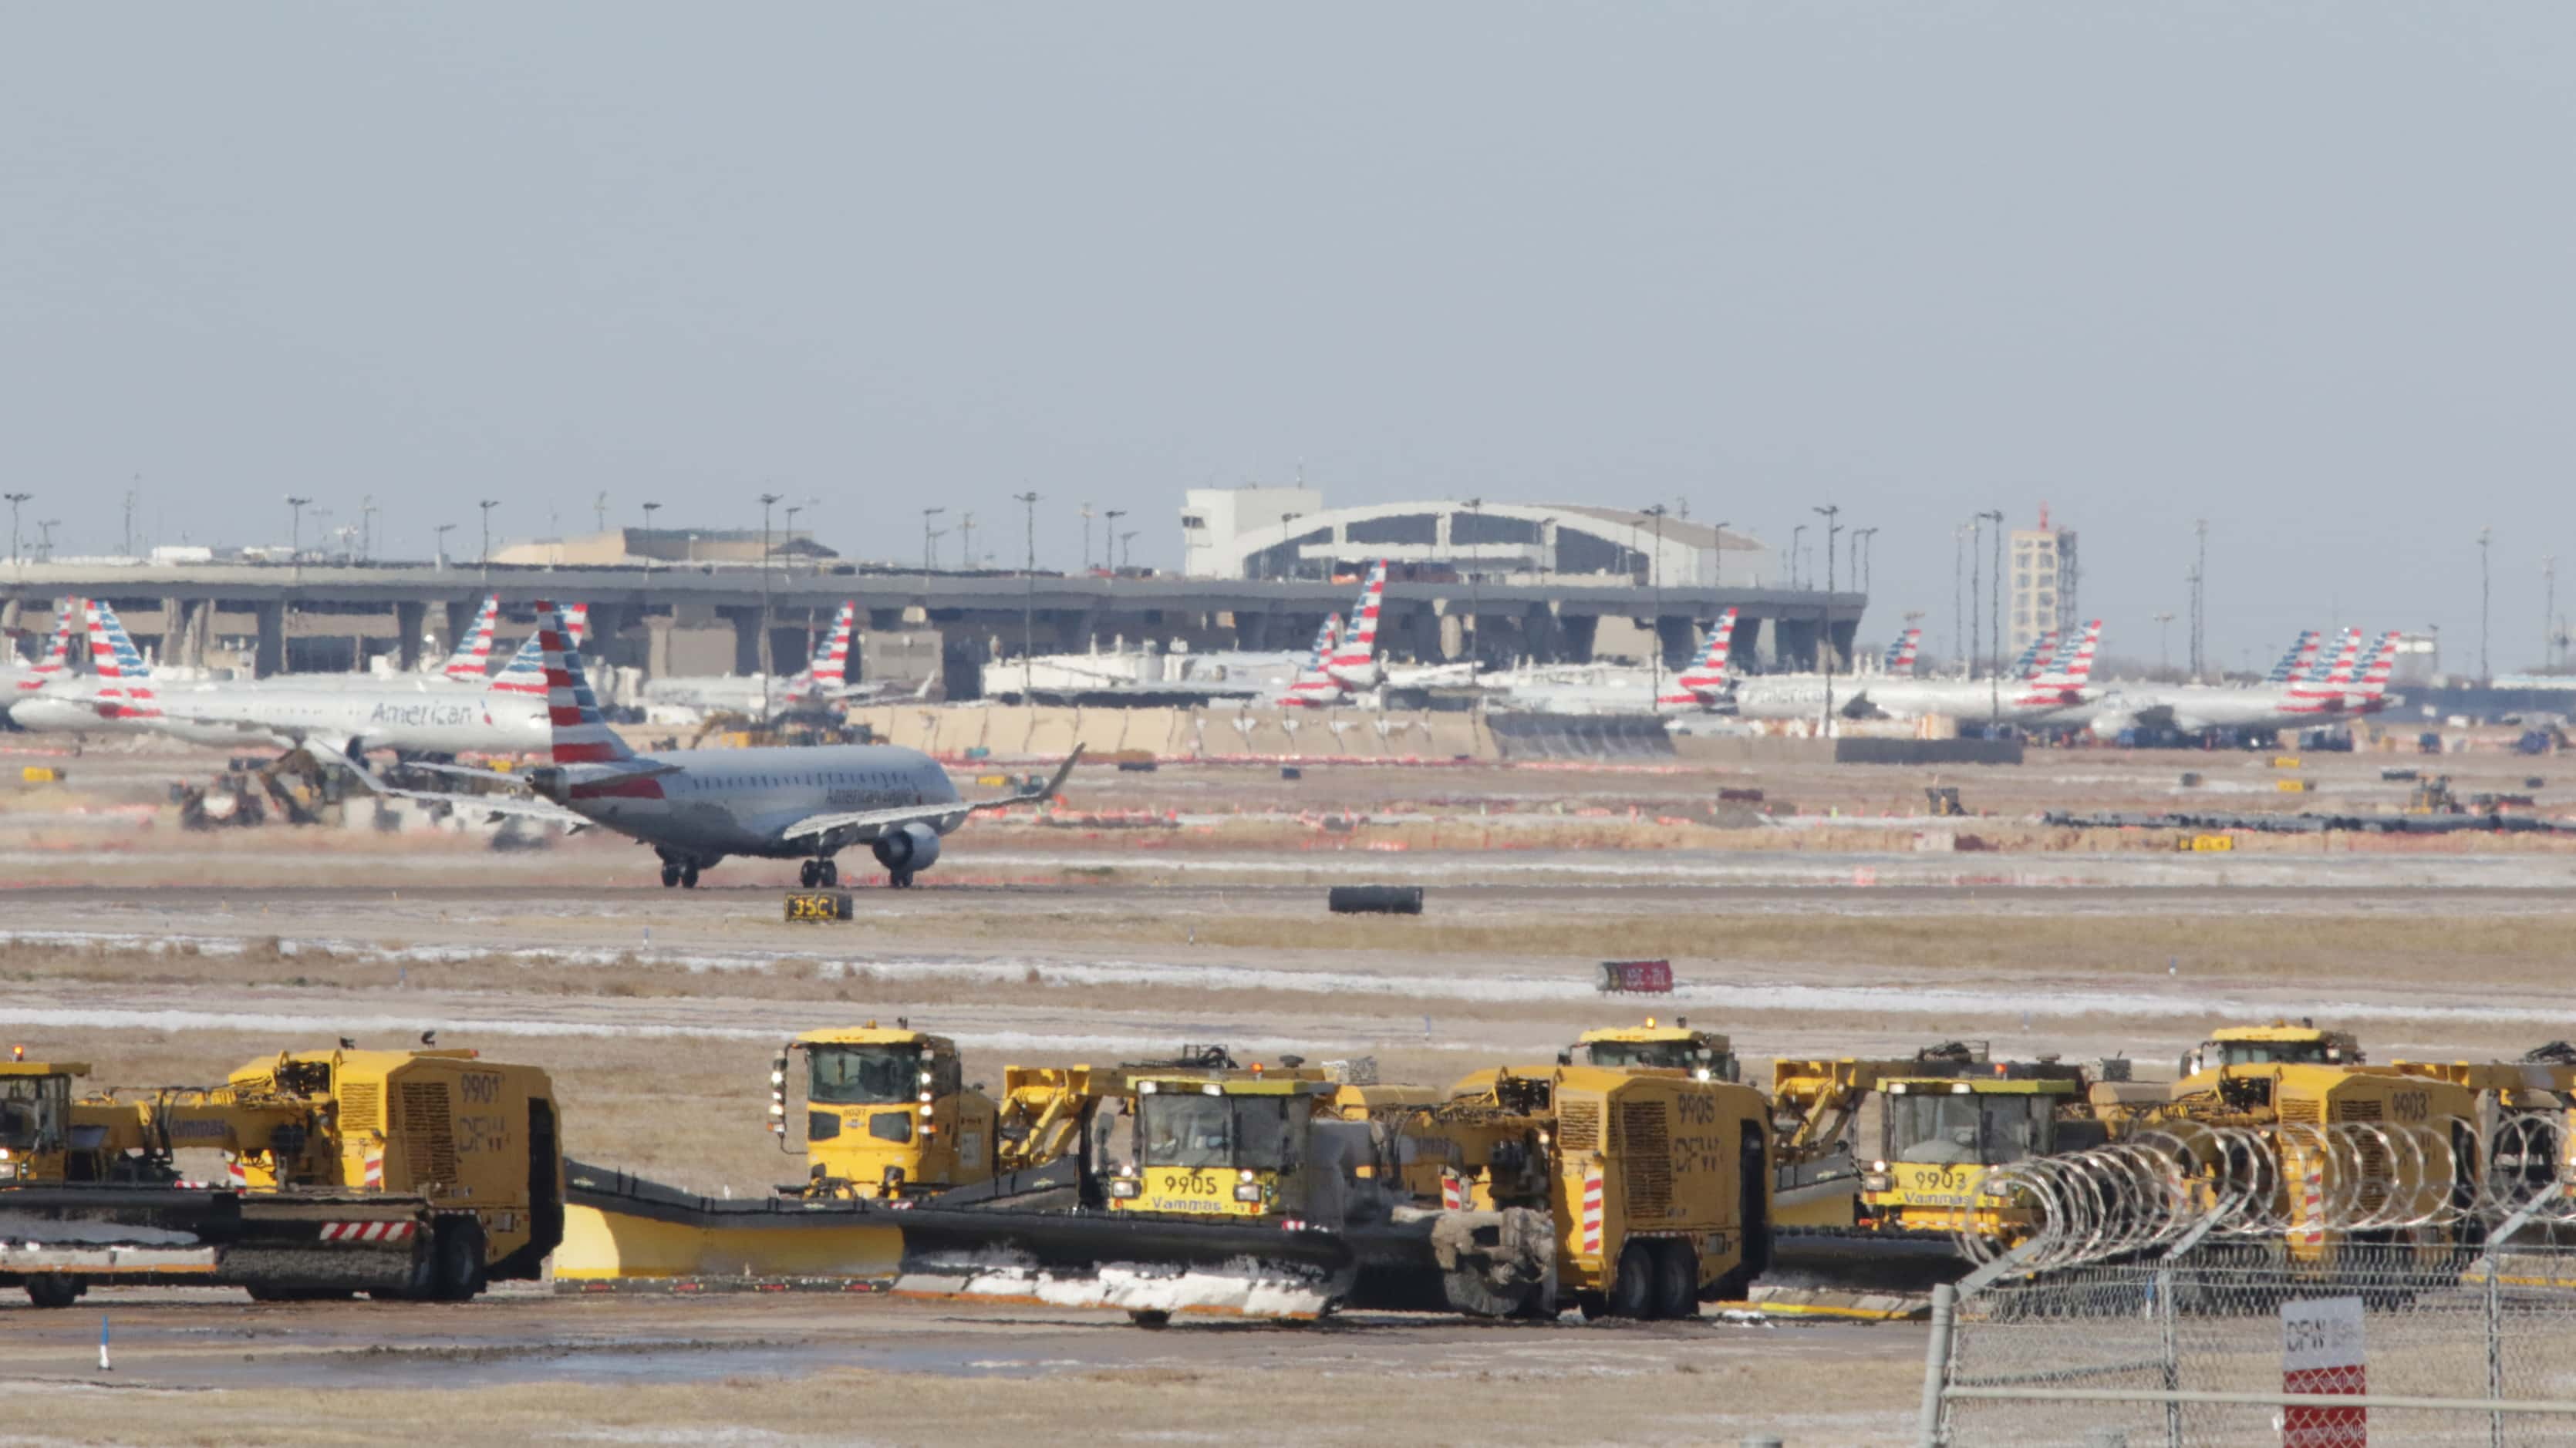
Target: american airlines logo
(425,713)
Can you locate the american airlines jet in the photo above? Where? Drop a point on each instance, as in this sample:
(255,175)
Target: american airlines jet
(696,807)
(1315,687)
(338,726)
(26,679)
(823,679)
(2298,703)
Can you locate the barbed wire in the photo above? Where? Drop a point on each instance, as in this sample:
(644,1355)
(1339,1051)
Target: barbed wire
(2307,1183)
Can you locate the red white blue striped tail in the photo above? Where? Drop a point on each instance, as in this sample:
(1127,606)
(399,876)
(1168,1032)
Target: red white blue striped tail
(831,668)
(1708,676)
(58,654)
(1360,648)
(124,680)
(474,651)
(581,735)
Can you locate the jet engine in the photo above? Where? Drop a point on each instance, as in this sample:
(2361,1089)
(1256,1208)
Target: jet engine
(912,847)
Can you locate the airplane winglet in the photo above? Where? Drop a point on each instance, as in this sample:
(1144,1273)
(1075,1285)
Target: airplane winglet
(1061,771)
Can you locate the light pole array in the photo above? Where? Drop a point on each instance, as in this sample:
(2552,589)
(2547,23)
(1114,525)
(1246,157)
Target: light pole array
(1029,599)
(1832,514)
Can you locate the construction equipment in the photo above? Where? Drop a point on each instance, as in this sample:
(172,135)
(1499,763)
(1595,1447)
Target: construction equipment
(2279,1042)
(1949,1120)
(887,1114)
(1705,1055)
(1654,1187)
(422,1174)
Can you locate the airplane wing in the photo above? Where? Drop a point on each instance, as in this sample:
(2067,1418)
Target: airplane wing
(880,820)
(496,806)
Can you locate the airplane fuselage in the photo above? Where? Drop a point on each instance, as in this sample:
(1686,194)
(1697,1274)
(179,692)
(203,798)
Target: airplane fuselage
(718,802)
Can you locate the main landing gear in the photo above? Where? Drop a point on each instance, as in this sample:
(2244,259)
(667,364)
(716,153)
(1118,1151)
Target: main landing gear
(683,873)
(818,874)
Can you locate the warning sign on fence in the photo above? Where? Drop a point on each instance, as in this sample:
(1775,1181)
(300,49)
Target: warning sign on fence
(2321,1352)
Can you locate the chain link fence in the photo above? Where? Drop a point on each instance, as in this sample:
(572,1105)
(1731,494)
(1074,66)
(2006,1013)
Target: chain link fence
(2424,1345)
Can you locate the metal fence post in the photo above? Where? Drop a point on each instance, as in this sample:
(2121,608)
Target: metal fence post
(1936,1366)
(2495,1352)
(2172,1354)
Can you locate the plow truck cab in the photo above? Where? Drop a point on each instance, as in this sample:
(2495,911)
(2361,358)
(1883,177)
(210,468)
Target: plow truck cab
(888,1114)
(1941,1133)
(2279,1043)
(1703,1055)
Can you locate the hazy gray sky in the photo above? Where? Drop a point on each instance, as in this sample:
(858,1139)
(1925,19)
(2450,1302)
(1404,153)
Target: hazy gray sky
(2300,268)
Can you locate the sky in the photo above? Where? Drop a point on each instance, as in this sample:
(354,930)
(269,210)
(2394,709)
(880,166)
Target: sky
(2300,269)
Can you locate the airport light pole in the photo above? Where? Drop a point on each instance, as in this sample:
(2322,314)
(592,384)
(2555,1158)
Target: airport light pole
(1867,540)
(1976,594)
(2486,536)
(1797,545)
(929,560)
(1108,537)
(1029,599)
(45,542)
(1995,612)
(966,540)
(295,534)
(1958,571)
(1717,558)
(2164,638)
(1832,514)
(16,501)
(1655,612)
(487,505)
(438,544)
(767,501)
(1086,537)
(2549,612)
(1127,550)
(1475,594)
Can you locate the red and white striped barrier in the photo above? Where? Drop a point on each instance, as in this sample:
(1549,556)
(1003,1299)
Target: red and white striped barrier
(367,1231)
(1592,1214)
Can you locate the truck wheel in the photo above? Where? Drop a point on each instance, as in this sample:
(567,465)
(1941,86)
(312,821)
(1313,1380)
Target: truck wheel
(456,1263)
(1676,1280)
(53,1289)
(1151,1319)
(1632,1289)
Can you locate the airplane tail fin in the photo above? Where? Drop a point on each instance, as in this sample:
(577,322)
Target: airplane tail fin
(1900,659)
(831,668)
(124,680)
(474,651)
(581,735)
(577,624)
(2293,665)
(525,673)
(1708,676)
(58,653)
(2346,658)
(2033,660)
(1359,646)
(2383,663)
(1314,683)
(2078,667)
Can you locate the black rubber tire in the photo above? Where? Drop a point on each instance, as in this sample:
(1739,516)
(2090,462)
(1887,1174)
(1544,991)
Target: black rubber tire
(688,877)
(900,879)
(805,875)
(670,876)
(456,1261)
(1151,1320)
(1632,1284)
(53,1290)
(1676,1280)
(830,874)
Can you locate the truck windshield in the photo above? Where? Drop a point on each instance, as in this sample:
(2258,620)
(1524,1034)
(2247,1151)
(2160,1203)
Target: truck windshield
(1218,1131)
(862,1075)
(1664,1055)
(31,1111)
(2263,1053)
(1957,1130)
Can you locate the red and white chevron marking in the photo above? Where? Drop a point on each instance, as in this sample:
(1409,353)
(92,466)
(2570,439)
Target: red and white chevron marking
(1453,1192)
(375,1169)
(1592,1213)
(2312,1206)
(367,1231)
(234,1173)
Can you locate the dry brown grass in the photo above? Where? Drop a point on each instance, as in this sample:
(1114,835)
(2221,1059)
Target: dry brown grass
(1312,1402)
